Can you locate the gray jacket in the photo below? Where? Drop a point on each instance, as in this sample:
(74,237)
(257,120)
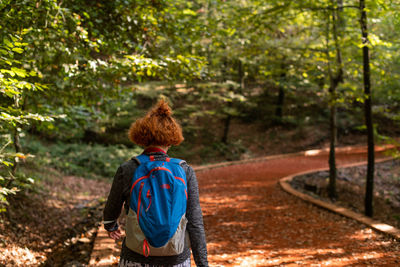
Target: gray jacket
(119,196)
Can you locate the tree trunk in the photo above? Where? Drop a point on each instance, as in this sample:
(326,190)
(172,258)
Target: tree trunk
(332,191)
(226,129)
(227,124)
(279,103)
(281,94)
(240,75)
(368,113)
(15,134)
(224,69)
(17,147)
(335,79)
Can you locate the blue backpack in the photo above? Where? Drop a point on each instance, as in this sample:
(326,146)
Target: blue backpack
(156,221)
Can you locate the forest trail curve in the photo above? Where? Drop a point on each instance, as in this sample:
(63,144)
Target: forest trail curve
(251,221)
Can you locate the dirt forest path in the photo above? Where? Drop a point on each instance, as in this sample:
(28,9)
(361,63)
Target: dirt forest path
(251,221)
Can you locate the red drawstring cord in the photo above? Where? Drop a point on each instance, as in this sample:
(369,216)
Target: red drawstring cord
(139,200)
(148,195)
(146,248)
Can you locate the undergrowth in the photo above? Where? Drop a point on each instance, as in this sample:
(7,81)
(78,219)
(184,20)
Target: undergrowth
(79,159)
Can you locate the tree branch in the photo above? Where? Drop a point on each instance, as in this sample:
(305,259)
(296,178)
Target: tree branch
(330,8)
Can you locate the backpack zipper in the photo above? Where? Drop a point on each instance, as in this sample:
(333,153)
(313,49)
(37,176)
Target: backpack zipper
(139,200)
(183,181)
(148,195)
(148,175)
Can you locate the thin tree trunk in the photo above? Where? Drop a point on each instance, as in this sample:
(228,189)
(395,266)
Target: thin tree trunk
(17,147)
(332,192)
(226,129)
(335,79)
(15,134)
(227,120)
(240,75)
(224,71)
(227,125)
(368,113)
(281,94)
(279,103)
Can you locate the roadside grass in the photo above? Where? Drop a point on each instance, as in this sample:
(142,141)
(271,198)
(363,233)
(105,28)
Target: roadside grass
(80,159)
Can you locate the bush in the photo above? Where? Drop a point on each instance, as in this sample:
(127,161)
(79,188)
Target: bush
(80,158)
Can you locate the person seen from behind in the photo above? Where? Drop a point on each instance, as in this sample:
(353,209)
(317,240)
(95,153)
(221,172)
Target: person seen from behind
(160,197)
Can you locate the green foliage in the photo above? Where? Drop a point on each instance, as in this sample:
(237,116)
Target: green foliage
(11,182)
(231,151)
(79,158)
(395,152)
(17,83)
(87,53)
(84,70)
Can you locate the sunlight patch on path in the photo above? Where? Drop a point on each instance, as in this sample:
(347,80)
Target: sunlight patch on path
(21,256)
(295,257)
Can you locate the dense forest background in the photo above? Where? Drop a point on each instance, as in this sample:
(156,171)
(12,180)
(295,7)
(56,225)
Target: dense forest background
(245,78)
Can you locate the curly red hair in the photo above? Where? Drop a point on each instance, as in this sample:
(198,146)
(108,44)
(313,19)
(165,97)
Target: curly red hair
(157,128)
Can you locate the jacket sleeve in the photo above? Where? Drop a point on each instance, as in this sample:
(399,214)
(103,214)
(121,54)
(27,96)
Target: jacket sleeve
(195,226)
(114,202)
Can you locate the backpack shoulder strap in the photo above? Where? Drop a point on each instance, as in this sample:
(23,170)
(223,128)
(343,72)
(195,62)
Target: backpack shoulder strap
(142,158)
(175,161)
